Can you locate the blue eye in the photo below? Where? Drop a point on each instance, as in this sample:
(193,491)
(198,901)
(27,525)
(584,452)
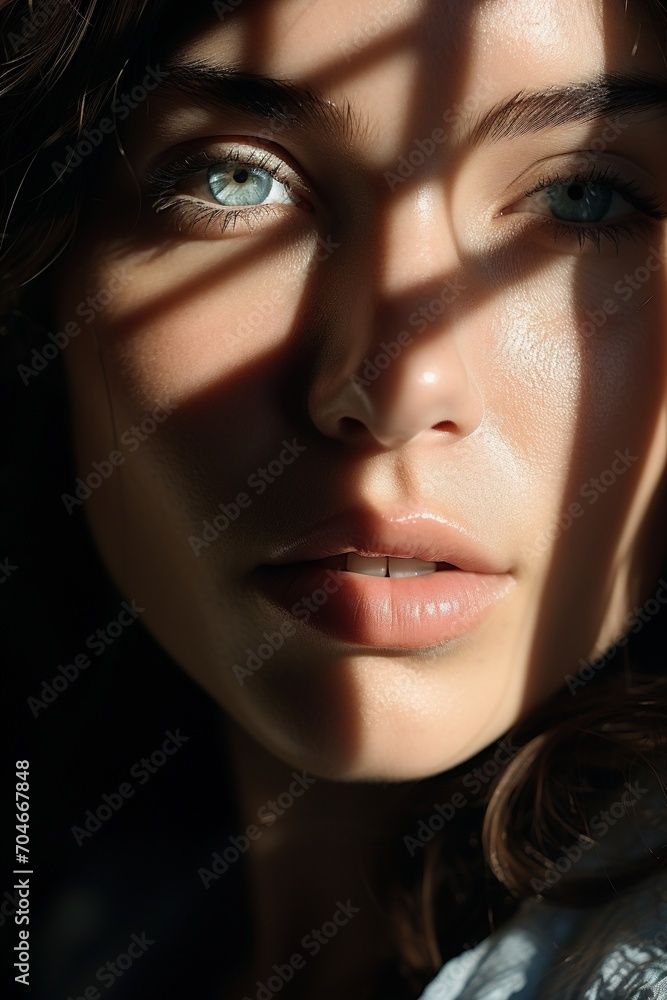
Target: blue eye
(579,202)
(590,206)
(575,202)
(240,183)
(234,183)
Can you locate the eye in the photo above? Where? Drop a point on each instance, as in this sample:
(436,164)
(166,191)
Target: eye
(207,191)
(585,202)
(589,206)
(232,183)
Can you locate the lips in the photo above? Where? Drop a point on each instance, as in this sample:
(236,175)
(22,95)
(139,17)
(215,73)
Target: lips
(411,535)
(317,580)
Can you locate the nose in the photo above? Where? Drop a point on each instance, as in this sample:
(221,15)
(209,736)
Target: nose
(395,366)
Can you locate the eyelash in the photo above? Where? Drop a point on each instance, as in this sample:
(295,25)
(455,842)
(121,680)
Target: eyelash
(651,206)
(162,181)
(191,212)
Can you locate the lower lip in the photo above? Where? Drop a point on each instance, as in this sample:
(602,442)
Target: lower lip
(413,612)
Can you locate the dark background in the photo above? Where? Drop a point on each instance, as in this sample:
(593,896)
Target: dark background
(138,873)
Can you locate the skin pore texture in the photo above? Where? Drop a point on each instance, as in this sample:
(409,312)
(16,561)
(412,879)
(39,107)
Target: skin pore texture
(529,413)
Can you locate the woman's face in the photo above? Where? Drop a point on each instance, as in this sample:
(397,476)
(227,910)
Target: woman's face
(381,312)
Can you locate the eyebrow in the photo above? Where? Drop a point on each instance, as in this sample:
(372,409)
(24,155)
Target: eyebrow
(284,104)
(278,102)
(611,95)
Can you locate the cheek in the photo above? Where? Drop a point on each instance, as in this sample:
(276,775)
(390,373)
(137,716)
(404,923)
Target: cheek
(574,379)
(196,330)
(191,317)
(579,389)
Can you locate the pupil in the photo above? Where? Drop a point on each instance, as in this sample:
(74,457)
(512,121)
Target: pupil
(240,175)
(588,202)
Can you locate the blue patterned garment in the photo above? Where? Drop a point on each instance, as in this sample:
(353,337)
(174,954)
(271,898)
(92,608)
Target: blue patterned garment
(613,952)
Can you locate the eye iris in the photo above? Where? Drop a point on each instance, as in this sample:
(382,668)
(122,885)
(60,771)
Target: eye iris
(234,184)
(579,202)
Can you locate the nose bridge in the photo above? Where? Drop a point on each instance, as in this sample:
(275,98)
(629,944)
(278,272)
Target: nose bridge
(416,237)
(400,369)
(414,281)
(418,276)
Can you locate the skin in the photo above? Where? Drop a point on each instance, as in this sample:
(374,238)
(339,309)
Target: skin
(497,416)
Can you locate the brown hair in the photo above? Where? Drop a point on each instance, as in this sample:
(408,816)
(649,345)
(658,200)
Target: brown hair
(569,760)
(63,61)
(59,77)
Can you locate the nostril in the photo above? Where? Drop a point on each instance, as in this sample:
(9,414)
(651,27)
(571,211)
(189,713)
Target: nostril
(445,425)
(351,427)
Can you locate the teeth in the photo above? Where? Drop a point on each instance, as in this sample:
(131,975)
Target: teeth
(369,567)
(388,566)
(410,567)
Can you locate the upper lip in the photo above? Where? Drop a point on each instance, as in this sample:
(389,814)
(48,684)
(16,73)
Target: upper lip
(412,535)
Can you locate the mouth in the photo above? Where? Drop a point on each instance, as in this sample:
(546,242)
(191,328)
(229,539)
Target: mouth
(394,567)
(391,545)
(403,582)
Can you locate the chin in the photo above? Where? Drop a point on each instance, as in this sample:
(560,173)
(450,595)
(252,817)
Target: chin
(405,729)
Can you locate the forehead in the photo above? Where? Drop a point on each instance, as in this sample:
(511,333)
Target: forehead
(396,61)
